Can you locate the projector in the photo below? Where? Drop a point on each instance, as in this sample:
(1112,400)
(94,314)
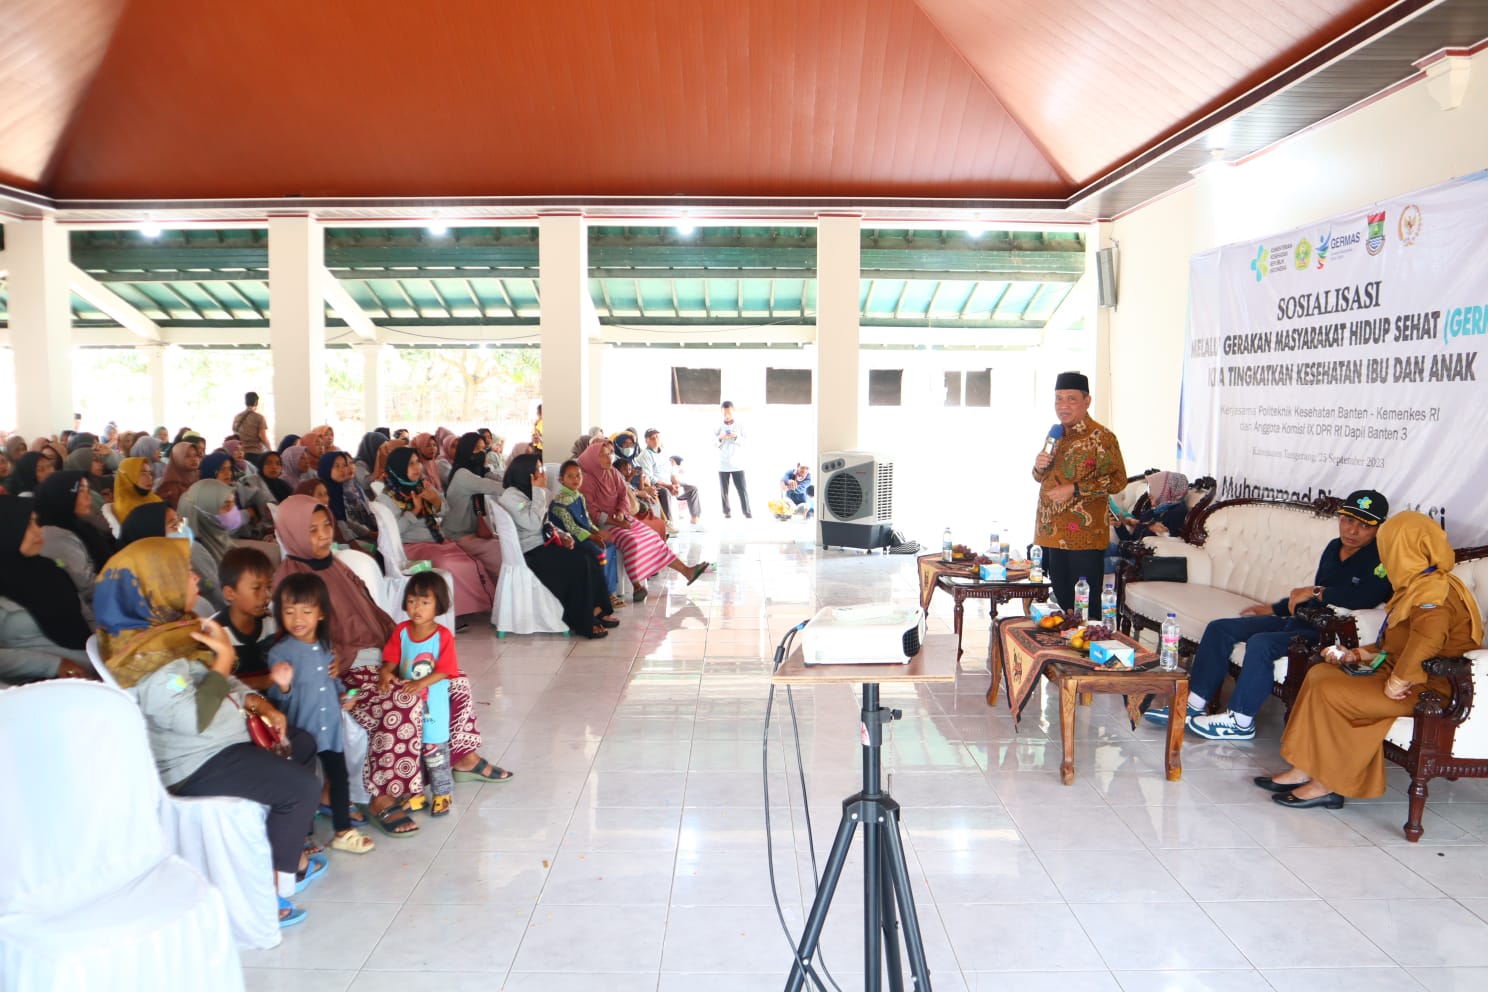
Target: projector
(871,634)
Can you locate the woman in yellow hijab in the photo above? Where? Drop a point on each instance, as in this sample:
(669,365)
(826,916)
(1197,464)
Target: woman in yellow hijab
(132,487)
(1335,735)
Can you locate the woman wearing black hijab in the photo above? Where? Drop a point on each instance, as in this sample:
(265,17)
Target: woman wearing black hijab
(572,575)
(154,520)
(27,473)
(63,503)
(465,498)
(43,633)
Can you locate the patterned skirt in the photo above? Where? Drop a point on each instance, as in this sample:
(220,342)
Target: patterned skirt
(643,551)
(394,722)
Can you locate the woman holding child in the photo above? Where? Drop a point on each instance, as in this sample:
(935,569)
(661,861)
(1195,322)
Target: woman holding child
(359,631)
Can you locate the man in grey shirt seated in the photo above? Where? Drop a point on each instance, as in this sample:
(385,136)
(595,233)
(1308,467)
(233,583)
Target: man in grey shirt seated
(657,468)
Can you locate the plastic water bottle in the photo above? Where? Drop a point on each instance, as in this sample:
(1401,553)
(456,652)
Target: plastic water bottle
(1036,564)
(1082,599)
(1168,661)
(994,545)
(946,552)
(1108,606)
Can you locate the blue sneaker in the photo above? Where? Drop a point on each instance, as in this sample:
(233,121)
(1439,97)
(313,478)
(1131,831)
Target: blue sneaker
(1159,714)
(1221,727)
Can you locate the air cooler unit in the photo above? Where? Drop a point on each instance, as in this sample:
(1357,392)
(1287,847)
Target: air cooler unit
(855,500)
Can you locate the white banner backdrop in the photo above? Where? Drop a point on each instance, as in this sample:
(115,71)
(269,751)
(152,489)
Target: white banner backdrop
(1344,355)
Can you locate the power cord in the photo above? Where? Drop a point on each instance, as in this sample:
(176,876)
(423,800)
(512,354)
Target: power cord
(808,969)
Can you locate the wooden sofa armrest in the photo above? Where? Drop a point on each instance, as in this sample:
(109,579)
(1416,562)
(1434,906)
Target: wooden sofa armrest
(1457,671)
(1332,627)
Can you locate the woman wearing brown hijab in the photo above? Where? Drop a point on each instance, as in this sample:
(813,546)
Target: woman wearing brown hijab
(181,473)
(1335,735)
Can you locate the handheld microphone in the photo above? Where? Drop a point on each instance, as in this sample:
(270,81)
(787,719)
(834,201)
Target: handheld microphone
(1055,433)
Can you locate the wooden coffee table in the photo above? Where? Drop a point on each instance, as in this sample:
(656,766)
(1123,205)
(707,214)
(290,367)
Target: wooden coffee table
(998,591)
(1075,680)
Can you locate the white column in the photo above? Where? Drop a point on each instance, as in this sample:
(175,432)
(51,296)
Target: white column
(596,350)
(1102,383)
(838,240)
(371,384)
(155,362)
(297,323)
(568,323)
(40,324)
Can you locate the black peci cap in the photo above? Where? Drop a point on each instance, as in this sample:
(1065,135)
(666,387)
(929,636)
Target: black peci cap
(1072,380)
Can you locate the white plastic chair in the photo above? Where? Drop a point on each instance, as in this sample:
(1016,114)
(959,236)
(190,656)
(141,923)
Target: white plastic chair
(110,519)
(223,838)
(394,560)
(91,896)
(523,604)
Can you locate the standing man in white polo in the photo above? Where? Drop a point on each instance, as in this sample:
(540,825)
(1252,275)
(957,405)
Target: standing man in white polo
(730,461)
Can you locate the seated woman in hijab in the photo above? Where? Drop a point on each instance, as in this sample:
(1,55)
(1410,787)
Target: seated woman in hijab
(296,465)
(355,524)
(571,574)
(91,462)
(426,450)
(643,552)
(182,471)
(1167,508)
(157,519)
(366,458)
(393,718)
(470,486)
(446,463)
(43,631)
(286,442)
(134,486)
(495,453)
(1334,738)
(179,668)
(271,471)
(210,509)
(64,509)
(417,510)
(145,447)
(253,496)
(27,472)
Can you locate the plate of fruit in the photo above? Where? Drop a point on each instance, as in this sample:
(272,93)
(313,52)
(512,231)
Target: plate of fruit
(1080,638)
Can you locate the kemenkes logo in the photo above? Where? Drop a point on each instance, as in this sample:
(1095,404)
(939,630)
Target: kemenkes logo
(1258,264)
(1376,242)
(1322,248)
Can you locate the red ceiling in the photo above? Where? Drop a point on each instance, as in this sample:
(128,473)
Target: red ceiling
(589,98)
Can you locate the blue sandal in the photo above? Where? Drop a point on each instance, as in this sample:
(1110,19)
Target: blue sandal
(296,915)
(316,868)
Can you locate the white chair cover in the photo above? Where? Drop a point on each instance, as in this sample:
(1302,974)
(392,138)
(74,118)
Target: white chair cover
(523,604)
(110,519)
(394,560)
(90,895)
(223,838)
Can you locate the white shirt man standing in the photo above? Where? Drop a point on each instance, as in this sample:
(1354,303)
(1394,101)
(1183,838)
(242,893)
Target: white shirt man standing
(730,461)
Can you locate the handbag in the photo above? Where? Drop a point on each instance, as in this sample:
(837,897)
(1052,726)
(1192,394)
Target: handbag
(1163,568)
(261,732)
(482,522)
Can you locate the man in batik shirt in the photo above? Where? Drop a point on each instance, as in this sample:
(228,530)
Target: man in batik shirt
(1083,472)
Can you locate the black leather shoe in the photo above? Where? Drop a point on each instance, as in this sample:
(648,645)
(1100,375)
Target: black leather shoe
(1271,785)
(1332,800)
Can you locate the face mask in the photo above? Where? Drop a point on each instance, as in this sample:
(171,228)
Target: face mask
(142,490)
(232,519)
(627,451)
(184,532)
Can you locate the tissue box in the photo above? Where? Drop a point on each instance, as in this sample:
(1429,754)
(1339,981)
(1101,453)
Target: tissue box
(993,573)
(1104,652)
(1041,610)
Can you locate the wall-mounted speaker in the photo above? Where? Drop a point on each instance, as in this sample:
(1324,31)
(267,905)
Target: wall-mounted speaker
(1105,277)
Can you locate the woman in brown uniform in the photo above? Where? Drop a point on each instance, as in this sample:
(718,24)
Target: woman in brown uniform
(1338,725)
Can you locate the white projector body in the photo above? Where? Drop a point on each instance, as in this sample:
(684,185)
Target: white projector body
(872,634)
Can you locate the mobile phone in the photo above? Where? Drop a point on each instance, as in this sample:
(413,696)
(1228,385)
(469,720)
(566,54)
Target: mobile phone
(1364,667)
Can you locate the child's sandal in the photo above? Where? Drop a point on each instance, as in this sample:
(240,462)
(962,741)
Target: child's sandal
(415,802)
(353,841)
(442,805)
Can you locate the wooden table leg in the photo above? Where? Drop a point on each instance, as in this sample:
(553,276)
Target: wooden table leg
(1067,730)
(1173,760)
(994,662)
(960,609)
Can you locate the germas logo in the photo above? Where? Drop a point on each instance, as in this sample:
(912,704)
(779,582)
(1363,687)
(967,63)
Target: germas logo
(1258,264)
(1322,248)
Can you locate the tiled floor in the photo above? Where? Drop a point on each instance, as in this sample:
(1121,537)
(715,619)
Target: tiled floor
(629,853)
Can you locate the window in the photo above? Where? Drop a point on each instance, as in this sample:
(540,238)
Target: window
(703,387)
(790,387)
(979,388)
(953,389)
(885,387)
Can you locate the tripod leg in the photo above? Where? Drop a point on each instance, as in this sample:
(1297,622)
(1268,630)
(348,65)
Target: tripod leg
(890,924)
(899,871)
(806,950)
(873,880)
